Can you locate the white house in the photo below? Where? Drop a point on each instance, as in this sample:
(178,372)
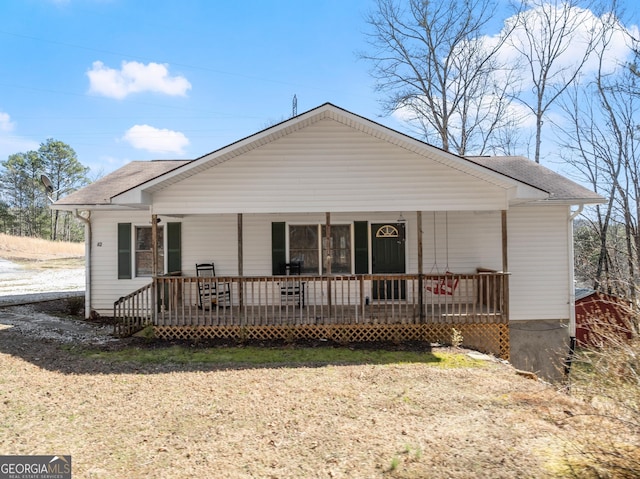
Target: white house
(397,239)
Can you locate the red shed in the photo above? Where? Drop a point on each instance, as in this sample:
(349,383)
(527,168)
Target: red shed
(599,311)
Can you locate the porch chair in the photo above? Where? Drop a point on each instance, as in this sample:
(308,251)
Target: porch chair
(211,292)
(446,284)
(292,290)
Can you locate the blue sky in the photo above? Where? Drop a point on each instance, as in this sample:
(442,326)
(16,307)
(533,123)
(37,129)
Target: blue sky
(123,80)
(234,67)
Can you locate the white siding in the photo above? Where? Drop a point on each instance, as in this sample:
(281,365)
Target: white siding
(207,239)
(538,261)
(464,241)
(105,285)
(328,166)
(473,241)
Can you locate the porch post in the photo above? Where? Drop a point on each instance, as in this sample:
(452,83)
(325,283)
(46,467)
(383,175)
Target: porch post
(155,294)
(154,245)
(240,260)
(328,257)
(420,265)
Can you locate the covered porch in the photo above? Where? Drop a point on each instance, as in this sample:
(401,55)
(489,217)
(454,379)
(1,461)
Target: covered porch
(341,308)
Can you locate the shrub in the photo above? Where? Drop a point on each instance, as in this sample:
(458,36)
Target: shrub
(607,376)
(75,306)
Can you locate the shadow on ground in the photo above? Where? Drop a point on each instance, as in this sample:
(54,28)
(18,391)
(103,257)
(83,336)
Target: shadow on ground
(150,356)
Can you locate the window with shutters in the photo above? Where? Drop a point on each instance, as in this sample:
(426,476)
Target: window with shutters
(135,253)
(308,245)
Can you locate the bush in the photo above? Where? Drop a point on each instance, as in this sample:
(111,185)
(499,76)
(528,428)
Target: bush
(75,306)
(608,378)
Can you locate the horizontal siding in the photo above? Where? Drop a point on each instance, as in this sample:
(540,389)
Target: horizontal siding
(105,285)
(458,241)
(328,167)
(538,261)
(207,239)
(473,241)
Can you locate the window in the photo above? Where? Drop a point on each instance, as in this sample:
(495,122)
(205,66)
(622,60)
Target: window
(305,247)
(144,253)
(340,248)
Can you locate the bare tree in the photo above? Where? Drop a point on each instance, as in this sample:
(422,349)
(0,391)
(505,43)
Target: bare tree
(555,41)
(602,144)
(435,65)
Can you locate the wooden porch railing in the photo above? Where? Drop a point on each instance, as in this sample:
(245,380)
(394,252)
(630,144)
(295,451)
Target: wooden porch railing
(134,311)
(349,299)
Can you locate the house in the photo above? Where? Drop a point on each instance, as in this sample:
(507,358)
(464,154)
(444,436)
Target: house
(397,239)
(601,317)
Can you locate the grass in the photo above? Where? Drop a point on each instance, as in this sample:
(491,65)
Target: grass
(400,418)
(289,411)
(261,356)
(22,249)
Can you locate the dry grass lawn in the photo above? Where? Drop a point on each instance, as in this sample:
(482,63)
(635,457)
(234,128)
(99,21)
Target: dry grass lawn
(167,419)
(414,420)
(25,249)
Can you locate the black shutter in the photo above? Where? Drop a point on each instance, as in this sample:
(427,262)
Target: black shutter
(361,246)
(278,247)
(124,250)
(174,248)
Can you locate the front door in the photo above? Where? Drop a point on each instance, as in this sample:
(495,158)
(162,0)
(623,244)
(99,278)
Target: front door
(388,257)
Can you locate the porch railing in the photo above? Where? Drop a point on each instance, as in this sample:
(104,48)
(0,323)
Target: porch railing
(134,311)
(328,300)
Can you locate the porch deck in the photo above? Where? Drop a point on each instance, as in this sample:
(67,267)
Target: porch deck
(344,308)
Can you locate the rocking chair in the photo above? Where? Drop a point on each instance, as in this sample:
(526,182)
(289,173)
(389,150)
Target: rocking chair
(211,293)
(292,290)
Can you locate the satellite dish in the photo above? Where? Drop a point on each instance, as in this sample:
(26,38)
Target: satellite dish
(47,183)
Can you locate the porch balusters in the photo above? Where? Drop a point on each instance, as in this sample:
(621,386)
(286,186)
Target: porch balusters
(477,298)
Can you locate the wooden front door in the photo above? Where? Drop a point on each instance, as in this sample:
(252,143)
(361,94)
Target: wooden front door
(388,257)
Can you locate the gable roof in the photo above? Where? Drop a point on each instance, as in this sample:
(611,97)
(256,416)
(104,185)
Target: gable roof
(287,127)
(134,183)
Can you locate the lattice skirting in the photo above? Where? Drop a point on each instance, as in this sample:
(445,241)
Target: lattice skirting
(488,338)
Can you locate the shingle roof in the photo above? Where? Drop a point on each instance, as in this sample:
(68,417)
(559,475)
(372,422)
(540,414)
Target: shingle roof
(132,174)
(521,169)
(536,175)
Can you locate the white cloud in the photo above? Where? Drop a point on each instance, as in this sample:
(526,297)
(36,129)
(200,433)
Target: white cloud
(580,22)
(156,140)
(5,122)
(135,77)
(11,143)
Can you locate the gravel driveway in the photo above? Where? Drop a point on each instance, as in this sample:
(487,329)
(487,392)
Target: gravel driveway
(31,300)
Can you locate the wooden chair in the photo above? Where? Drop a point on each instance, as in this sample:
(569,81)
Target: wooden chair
(292,290)
(211,292)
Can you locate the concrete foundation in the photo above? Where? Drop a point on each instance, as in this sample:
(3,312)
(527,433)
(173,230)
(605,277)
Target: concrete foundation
(540,346)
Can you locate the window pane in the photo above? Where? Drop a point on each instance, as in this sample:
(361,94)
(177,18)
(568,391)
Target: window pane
(303,247)
(144,254)
(340,248)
